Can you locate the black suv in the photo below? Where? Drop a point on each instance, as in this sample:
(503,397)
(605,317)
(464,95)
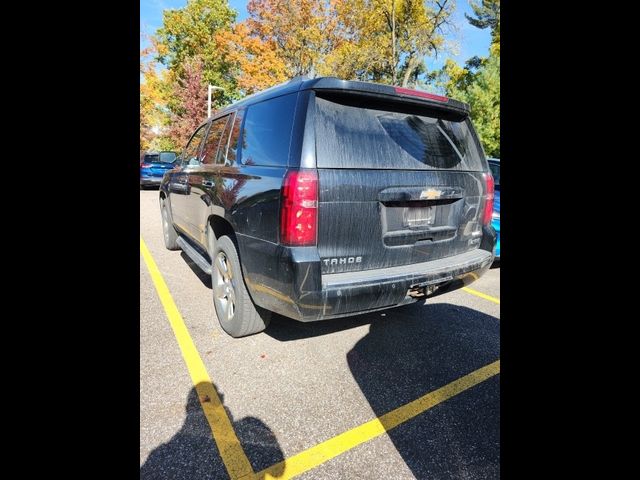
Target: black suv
(322,198)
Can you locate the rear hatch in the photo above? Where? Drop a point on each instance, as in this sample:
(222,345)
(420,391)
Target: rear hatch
(398,183)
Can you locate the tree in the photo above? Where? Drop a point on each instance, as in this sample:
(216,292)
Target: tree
(423,32)
(254,62)
(486,15)
(298,30)
(361,41)
(189,104)
(173,100)
(386,40)
(155,90)
(478,84)
(484,96)
(189,33)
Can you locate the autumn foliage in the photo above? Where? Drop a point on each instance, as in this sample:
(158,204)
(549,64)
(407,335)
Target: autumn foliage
(385,41)
(255,61)
(189,111)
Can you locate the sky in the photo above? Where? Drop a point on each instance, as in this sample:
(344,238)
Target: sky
(470,40)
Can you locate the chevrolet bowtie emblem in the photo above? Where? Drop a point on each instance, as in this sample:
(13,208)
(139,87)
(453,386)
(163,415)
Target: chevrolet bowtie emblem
(430,194)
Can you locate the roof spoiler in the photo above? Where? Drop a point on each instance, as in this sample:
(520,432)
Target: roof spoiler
(406,95)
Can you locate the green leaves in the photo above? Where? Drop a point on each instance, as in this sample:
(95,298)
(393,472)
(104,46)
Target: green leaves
(190,33)
(383,40)
(478,82)
(486,15)
(187,46)
(386,41)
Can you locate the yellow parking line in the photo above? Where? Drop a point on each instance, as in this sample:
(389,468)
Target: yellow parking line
(231,452)
(233,456)
(339,444)
(481,295)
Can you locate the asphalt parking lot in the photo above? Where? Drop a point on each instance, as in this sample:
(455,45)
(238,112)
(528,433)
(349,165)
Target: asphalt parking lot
(412,392)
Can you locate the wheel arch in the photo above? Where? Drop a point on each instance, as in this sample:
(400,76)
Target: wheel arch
(218,226)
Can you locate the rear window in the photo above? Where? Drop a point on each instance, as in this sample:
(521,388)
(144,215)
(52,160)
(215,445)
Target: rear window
(151,158)
(349,136)
(167,157)
(267,131)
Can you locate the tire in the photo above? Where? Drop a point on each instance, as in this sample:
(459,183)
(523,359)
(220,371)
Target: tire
(168,232)
(236,312)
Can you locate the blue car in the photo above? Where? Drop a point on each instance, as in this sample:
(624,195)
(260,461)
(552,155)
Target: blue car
(153,167)
(494,164)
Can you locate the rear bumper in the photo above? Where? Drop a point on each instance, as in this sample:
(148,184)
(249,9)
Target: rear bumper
(351,293)
(288,281)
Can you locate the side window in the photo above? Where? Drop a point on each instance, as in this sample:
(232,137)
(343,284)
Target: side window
(234,141)
(213,139)
(267,131)
(190,154)
(224,142)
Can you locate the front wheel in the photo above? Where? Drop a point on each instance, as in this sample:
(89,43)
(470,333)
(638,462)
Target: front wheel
(236,312)
(168,232)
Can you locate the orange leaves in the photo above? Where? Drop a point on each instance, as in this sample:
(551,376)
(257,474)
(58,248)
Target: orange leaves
(350,39)
(257,63)
(298,29)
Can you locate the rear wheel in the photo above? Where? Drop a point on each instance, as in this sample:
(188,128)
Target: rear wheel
(168,232)
(236,312)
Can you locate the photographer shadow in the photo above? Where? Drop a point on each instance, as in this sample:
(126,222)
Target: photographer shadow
(192,453)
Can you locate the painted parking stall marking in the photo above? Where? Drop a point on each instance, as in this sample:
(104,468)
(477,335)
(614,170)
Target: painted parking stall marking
(233,456)
(339,444)
(229,447)
(481,295)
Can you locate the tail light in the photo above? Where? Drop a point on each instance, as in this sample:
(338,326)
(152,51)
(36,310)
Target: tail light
(299,208)
(418,93)
(145,165)
(488,198)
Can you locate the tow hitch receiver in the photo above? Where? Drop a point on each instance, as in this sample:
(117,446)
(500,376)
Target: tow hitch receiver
(421,291)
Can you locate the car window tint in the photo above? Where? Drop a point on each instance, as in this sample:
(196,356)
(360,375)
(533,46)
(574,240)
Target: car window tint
(224,142)
(232,151)
(353,134)
(213,140)
(190,156)
(267,131)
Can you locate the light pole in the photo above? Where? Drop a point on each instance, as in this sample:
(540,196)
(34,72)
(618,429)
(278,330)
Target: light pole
(393,38)
(211,88)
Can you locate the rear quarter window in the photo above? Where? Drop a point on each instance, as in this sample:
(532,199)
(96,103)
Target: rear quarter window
(234,140)
(266,134)
(349,136)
